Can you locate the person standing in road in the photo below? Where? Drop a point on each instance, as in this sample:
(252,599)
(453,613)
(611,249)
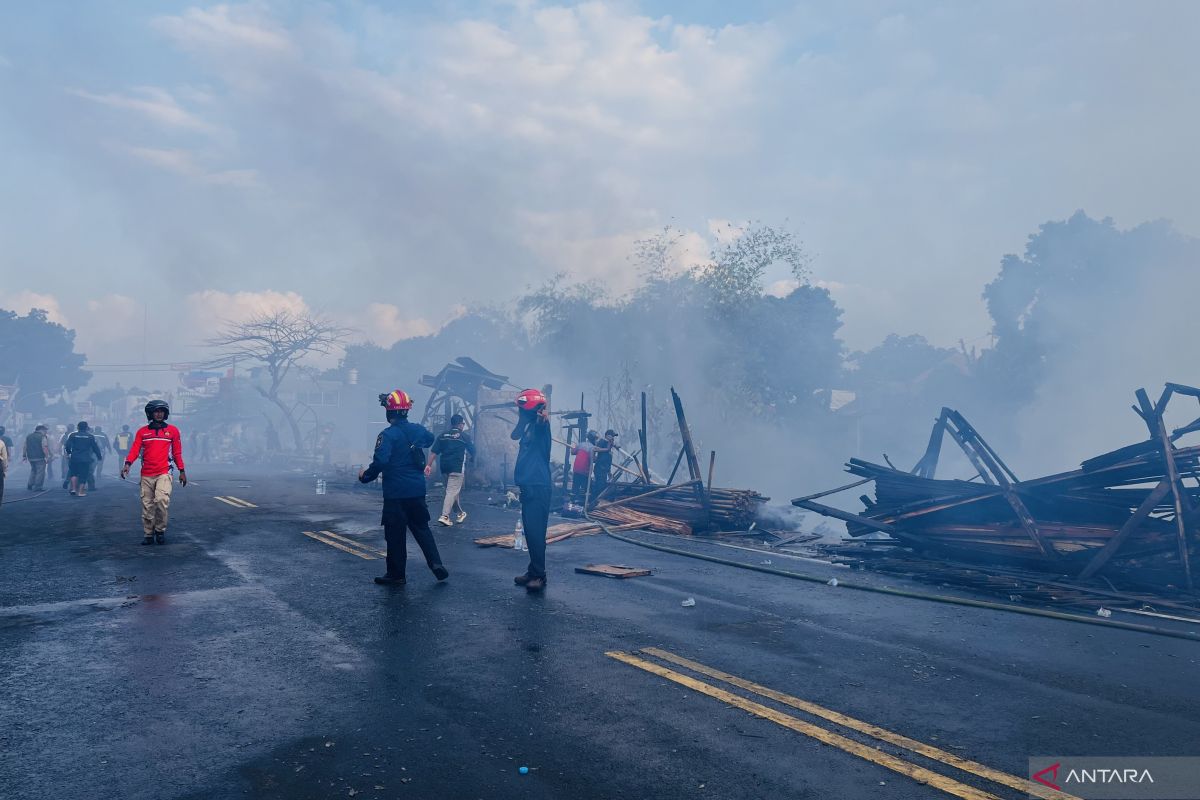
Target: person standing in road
(159,443)
(401,460)
(82,450)
(581,469)
(122,442)
(37,453)
(6,446)
(105,446)
(3,468)
(532,475)
(452,449)
(63,460)
(602,462)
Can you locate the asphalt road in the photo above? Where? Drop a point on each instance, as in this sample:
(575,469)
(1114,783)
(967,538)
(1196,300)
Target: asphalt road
(246,659)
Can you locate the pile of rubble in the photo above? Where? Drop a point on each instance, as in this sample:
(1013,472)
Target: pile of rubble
(1126,515)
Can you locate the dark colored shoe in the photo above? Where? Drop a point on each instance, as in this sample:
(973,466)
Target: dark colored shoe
(389,580)
(535,584)
(441,573)
(160,537)
(148,540)
(521,580)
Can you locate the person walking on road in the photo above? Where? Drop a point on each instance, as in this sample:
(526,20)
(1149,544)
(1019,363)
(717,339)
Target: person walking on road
(82,450)
(400,458)
(37,452)
(8,442)
(159,443)
(451,449)
(122,442)
(532,475)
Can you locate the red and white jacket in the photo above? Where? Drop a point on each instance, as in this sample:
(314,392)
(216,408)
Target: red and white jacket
(158,447)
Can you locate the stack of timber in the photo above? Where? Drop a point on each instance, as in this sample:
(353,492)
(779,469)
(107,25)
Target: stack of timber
(731,509)
(623,515)
(683,508)
(1121,514)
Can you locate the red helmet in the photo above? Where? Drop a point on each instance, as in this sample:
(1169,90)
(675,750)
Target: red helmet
(396,401)
(531,399)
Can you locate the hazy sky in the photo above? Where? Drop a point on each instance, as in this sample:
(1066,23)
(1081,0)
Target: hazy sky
(178,163)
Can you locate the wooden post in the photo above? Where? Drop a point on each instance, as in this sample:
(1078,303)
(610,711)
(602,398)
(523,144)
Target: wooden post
(645,465)
(1153,417)
(1137,518)
(678,461)
(690,450)
(686,435)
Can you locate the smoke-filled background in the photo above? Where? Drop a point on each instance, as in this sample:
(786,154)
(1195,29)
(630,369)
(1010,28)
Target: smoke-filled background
(821,224)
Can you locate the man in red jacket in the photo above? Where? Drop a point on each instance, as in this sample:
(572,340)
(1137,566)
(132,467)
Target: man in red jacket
(159,443)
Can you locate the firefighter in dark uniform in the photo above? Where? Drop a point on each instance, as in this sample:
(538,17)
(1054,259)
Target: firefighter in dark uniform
(399,457)
(532,474)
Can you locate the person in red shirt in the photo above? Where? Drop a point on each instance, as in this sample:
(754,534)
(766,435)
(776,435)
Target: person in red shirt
(159,444)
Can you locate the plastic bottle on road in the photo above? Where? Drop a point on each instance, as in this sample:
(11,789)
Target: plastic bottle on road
(519,537)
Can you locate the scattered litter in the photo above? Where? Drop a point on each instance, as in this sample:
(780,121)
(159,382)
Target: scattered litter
(524,770)
(767,562)
(1103,612)
(613,571)
(833,582)
(691,601)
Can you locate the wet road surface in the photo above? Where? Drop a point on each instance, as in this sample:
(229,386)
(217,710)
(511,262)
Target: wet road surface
(248,659)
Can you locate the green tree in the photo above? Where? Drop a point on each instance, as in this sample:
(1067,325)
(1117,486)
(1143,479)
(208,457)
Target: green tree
(38,357)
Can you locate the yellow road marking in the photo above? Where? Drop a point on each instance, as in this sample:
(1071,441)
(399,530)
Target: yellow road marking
(236,502)
(929,751)
(355,543)
(917,773)
(338,545)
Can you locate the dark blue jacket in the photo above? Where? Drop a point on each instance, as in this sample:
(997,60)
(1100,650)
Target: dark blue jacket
(533,458)
(398,456)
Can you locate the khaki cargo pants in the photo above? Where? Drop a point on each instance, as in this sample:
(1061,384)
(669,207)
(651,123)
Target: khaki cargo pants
(454,485)
(156,499)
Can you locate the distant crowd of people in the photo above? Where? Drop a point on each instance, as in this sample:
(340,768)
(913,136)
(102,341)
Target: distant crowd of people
(399,457)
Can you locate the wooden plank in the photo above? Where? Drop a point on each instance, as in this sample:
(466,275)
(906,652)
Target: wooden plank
(1137,518)
(834,491)
(613,571)
(846,516)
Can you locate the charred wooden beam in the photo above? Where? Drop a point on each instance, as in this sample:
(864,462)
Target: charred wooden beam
(845,516)
(1135,520)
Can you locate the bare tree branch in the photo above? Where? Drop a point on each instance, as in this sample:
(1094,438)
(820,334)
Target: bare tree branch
(279,340)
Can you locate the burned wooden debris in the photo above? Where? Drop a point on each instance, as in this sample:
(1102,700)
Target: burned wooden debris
(683,508)
(1127,515)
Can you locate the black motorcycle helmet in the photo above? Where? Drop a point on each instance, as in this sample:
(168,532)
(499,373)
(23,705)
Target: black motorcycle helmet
(153,406)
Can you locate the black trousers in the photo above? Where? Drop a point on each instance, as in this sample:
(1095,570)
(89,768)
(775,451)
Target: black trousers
(535,518)
(413,514)
(599,482)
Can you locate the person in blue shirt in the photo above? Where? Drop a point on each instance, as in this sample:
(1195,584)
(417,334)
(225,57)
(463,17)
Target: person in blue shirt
(399,457)
(532,474)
